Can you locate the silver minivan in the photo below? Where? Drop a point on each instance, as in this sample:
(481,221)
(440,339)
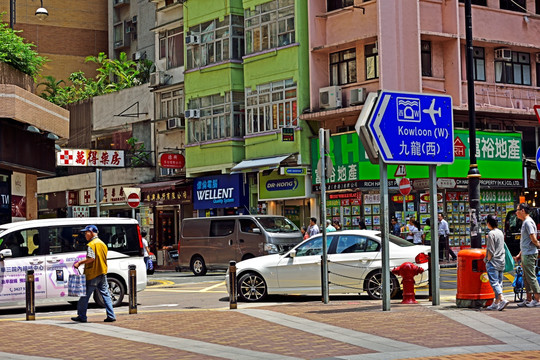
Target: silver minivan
(211,243)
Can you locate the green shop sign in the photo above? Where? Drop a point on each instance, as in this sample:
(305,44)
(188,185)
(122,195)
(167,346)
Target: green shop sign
(275,186)
(494,151)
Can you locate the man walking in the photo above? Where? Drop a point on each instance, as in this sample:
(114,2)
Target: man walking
(444,247)
(529,253)
(313,228)
(95,269)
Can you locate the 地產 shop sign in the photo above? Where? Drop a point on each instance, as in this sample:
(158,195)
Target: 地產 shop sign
(425,198)
(220,191)
(172,161)
(352,168)
(275,186)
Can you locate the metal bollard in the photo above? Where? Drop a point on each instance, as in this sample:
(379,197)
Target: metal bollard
(232,285)
(430,291)
(132,289)
(30,296)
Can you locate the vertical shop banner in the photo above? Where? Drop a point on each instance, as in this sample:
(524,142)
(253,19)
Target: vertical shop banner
(276,187)
(220,191)
(494,151)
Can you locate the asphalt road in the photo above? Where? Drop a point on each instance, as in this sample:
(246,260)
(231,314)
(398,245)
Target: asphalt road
(185,291)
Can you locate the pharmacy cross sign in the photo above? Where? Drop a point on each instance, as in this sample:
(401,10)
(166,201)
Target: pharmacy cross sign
(413,128)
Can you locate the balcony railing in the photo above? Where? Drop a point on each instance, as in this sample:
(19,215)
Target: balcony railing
(503,96)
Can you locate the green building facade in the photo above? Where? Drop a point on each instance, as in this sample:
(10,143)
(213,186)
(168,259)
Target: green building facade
(246,83)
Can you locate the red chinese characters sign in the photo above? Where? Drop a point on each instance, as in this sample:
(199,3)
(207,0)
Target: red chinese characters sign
(84,157)
(172,161)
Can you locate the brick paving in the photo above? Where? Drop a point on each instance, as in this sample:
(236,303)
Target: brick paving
(516,355)
(240,331)
(415,324)
(34,339)
(422,325)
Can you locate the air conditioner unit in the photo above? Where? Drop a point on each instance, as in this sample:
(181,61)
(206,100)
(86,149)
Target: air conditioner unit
(157,78)
(503,54)
(193,113)
(358,96)
(193,39)
(176,122)
(538,57)
(136,56)
(330,97)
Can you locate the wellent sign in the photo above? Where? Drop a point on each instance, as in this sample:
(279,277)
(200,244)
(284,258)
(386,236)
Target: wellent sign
(219,192)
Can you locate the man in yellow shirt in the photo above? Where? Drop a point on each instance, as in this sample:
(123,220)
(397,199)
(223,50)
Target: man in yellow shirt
(95,270)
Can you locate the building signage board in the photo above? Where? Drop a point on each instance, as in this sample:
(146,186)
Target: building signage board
(111,194)
(85,157)
(220,191)
(413,128)
(275,186)
(172,161)
(494,151)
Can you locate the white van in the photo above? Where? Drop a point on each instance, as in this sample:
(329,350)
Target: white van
(51,246)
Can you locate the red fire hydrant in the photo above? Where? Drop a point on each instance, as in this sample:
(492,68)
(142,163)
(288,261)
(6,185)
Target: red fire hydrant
(408,271)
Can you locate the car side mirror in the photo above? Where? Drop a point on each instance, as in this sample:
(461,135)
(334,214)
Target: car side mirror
(5,253)
(292,253)
(256,230)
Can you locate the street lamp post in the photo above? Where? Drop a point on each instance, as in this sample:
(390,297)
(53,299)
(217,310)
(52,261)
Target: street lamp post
(41,12)
(474,174)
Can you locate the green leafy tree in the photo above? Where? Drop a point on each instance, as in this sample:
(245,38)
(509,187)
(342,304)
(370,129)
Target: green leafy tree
(137,153)
(112,75)
(15,52)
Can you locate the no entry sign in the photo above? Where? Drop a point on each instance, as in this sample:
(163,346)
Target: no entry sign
(405,186)
(133,200)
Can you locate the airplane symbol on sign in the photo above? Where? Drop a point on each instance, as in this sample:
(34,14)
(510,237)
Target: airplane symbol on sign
(431,111)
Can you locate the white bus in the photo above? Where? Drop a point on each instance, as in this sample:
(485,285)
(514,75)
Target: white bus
(50,247)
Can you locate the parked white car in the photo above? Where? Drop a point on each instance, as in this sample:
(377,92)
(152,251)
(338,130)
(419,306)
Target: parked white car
(354,266)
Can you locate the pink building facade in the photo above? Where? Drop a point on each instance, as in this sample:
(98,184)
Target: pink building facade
(357,47)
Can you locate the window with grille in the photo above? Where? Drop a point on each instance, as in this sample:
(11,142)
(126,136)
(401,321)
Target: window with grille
(269,25)
(221,117)
(479,64)
(425,51)
(371,55)
(171,47)
(513,5)
(343,67)
(338,4)
(514,71)
(171,104)
(271,106)
(219,41)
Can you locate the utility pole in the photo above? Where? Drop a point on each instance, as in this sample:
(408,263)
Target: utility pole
(474,174)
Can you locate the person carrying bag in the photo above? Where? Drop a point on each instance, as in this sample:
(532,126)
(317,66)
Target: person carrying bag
(77,284)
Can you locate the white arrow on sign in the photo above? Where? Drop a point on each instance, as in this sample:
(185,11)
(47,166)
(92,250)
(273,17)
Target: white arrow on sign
(446,183)
(377,126)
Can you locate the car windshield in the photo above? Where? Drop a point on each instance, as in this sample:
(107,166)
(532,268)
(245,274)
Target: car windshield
(277,224)
(397,240)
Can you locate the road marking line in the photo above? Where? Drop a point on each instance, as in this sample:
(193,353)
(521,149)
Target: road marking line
(213,287)
(162,283)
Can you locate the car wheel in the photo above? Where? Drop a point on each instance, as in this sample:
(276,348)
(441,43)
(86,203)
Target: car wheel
(251,287)
(373,285)
(198,267)
(116,291)
(247,256)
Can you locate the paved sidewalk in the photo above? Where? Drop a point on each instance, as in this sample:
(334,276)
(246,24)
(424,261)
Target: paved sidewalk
(301,330)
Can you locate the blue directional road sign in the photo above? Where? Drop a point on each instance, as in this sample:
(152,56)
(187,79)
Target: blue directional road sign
(412,128)
(538,159)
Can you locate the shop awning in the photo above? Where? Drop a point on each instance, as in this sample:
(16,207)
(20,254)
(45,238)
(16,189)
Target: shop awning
(259,164)
(161,185)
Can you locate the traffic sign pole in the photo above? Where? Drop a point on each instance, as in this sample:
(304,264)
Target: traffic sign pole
(324,264)
(384,235)
(434,258)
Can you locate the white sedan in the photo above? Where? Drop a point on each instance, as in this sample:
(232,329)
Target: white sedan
(354,266)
